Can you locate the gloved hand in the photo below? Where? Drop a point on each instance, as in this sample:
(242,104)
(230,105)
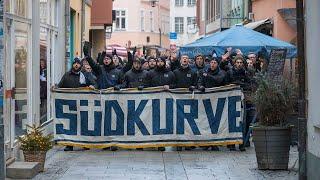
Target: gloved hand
(114,52)
(116,88)
(191,88)
(140,88)
(86,48)
(202,89)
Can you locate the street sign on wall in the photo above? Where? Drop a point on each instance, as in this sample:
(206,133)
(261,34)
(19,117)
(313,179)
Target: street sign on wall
(173,35)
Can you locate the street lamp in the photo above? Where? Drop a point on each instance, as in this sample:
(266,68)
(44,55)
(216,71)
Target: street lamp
(153,4)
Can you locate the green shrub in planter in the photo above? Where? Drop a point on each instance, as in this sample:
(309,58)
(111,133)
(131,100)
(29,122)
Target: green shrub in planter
(271,136)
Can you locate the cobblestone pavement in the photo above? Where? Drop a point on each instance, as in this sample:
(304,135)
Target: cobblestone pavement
(168,165)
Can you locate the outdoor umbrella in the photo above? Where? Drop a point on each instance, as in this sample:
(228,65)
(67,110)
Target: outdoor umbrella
(245,39)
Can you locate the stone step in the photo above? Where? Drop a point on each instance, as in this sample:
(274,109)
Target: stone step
(23,170)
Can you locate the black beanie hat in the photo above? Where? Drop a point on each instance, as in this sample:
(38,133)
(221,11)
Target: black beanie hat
(77,60)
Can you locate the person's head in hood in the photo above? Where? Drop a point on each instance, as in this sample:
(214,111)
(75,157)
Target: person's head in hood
(152,62)
(161,63)
(144,64)
(214,64)
(184,61)
(199,61)
(136,64)
(76,65)
(107,61)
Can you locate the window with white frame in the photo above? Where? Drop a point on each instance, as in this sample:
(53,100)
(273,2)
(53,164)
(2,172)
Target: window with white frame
(191,21)
(179,2)
(121,20)
(178,24)
(142,20)
(151,21)
(191,2)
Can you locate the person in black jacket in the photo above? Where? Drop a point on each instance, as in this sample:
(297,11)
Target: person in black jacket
(199,66)
(152,63)
(238,74)
(185,77)
(214,76)
(160,76)
(75,79)
(136,76)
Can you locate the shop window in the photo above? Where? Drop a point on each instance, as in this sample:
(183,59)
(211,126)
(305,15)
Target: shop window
(21,60)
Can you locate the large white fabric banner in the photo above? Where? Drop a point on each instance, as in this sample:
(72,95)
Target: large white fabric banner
(148,118)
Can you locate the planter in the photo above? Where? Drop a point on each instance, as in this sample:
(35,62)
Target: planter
(272,145)
(35,156)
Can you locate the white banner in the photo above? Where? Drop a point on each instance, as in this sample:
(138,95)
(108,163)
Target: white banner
(148,118)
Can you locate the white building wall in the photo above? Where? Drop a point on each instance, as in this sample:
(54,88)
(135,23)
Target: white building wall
(184,11)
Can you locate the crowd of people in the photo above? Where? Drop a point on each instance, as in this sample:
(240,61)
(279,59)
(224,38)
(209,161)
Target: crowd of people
(110,71)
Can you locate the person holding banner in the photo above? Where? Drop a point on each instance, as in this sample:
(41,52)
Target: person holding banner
(199,65)
(107,74)
(185,77)
(75,79)
(135,78)
(152,63)
(160,76)
(213,77)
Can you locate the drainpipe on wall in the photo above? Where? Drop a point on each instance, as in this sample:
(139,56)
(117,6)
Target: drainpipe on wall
(2,155)
(67,34)
(302,120)
(82,25)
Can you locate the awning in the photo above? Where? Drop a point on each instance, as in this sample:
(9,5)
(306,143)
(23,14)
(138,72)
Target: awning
(256,24)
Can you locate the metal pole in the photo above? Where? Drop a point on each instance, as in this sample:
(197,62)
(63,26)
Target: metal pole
(302,120)
(82,25)
(2,155)
(221,15)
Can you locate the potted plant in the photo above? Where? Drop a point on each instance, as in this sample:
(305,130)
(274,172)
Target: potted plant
(271,135)
(35,145)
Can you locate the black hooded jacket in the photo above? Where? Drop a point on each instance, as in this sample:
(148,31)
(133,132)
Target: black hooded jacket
(72,80)
(239,77)
(185,77)
(160,77)
(214,78)
(107,75)
(135,78)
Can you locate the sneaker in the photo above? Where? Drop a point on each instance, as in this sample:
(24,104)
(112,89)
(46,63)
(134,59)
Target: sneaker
(107,148)
(205,147)
(242,148)
(114,148)
(232,147)
(189,148)
(68,148)
(215,148)
(161,148)
(85,148)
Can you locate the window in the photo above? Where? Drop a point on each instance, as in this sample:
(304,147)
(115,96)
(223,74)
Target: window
(151,21)
(217,15)
(191,21)
(120,20)
(179,2)
(142,20)
(191,2)
(178,24)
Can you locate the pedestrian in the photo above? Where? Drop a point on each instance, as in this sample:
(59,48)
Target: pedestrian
(174,61)
(185,77)
(135,78)
(87,71)
(107,74)
(252,56)
(199,65)
(74,79)
(43,90)
(152,62)
(145,64)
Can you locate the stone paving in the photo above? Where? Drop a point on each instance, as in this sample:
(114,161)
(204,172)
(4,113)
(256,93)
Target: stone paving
(168,165)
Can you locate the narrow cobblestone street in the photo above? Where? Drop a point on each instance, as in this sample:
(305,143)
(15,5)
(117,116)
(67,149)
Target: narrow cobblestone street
(168,165)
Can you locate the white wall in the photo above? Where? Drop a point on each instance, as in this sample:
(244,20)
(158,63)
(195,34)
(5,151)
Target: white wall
(313,74)
(182,11)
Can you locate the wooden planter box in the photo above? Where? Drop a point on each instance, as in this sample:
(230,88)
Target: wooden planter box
(272,145)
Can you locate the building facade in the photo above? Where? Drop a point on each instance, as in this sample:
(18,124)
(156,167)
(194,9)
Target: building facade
(183,21)
(282,15)
(141,23)
(218,15)
(35,33)
(101,24)
(312,33)
(78,26)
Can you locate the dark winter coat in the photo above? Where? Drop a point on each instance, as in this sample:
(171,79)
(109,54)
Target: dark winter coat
(199,69)
(72,80)
(239,77)
(160,77)
(107,76)
(135,78)
(214,78)
(185,77)
(225,65)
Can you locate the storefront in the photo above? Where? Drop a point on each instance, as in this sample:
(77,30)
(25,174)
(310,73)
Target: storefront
(34,62)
